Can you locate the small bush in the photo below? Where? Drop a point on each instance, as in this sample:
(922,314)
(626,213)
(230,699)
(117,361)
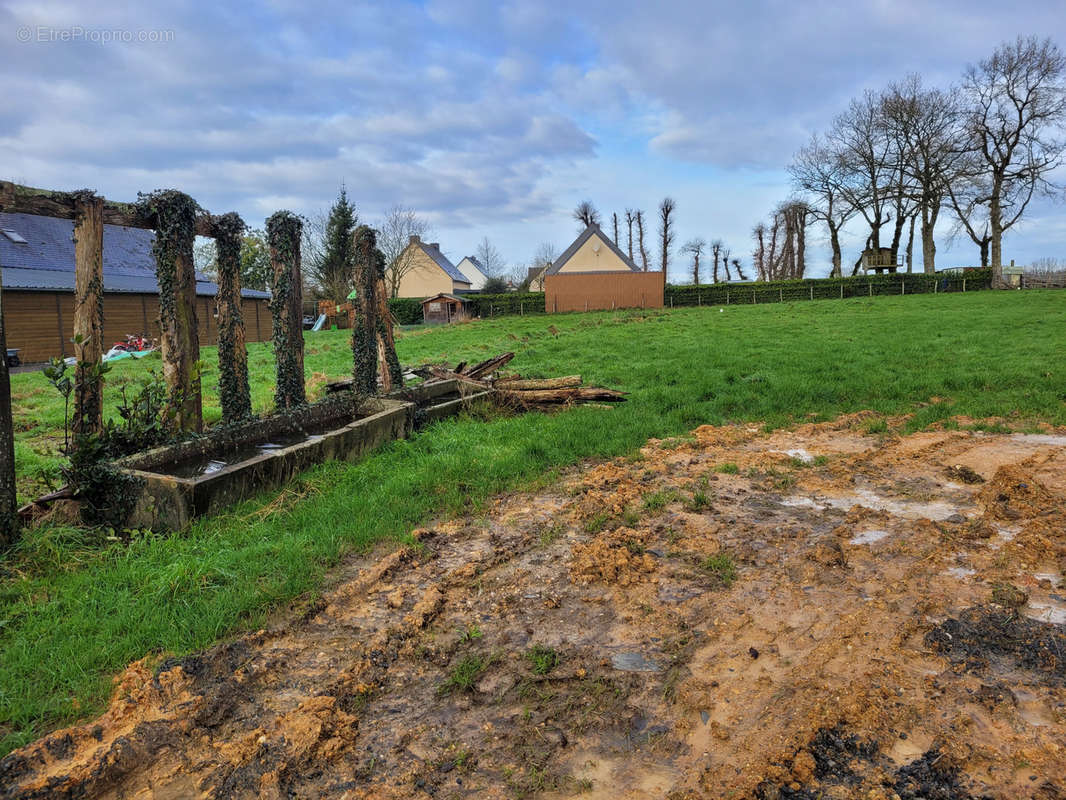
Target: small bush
(542,659)
(721,567)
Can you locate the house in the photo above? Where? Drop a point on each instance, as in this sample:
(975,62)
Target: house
(427,271)
(475,271)
(535,278)
(444,307)
(37,266)
(593,273)
(592,251)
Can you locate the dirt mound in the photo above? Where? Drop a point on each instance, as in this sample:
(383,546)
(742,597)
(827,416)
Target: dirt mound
(803,614)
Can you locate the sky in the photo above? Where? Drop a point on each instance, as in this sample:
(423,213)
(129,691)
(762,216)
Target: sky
(491,118)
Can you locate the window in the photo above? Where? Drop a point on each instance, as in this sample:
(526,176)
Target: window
(14,236)
(436,306)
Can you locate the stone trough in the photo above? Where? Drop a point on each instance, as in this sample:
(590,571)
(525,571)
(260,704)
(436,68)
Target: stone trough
(204,476)
(207,474)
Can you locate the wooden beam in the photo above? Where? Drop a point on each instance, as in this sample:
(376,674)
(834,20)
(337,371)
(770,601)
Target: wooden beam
(17,199)
(88,314)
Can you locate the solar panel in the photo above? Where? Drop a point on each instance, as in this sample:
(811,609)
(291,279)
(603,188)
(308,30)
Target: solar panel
(14,236)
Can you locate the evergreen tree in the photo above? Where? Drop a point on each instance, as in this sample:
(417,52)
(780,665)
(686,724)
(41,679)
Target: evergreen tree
(333,273)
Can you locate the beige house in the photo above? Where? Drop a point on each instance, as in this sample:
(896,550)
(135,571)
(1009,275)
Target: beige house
(427,271)
(592,251)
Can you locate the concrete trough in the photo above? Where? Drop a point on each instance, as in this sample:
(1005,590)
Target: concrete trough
(436,400)
(176,488)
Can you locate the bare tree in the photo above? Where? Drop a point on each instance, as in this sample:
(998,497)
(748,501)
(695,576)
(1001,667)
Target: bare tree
(1015,103)
(531,277)
(666,232)
(933,154)
(630,217)
(394,235)
(819,172)
(586,214)
(740,272)
(491,258)
(695,248)
(867,163)
(716,253)
(758,255)
(614,219)
(969,200)
(780,249)
(640,239)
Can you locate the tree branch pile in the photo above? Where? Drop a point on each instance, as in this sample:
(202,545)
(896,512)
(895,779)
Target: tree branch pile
(515,391)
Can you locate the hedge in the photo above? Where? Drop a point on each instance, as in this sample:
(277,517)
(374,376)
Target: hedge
(409,310)
(827,288)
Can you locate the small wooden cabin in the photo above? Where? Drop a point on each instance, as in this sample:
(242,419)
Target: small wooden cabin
(879,260)
(444,307)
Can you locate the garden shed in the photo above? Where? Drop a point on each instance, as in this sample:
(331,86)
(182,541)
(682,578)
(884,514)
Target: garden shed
(444,307)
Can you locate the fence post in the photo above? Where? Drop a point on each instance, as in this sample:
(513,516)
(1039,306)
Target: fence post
(812,291)
(870,285)
(964,284)
(902,285)
(780,294)
(727,297)
(841,291)
(522,308)
(753,297)
(699,299)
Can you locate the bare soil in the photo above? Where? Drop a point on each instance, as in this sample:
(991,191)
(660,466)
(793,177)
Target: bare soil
(817,612)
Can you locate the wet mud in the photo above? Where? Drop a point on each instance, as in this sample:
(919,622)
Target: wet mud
(813,613)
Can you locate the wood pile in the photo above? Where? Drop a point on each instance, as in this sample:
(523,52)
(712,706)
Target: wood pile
(514,390)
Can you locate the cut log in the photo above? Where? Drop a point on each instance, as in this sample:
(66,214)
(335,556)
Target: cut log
(520,385)
(557,396)
(488,366)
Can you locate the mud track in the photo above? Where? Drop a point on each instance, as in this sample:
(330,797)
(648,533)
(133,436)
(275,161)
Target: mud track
(819,612)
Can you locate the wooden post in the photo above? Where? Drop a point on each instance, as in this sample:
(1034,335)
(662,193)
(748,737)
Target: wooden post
(9,521)
(812,291)
(233,389)
(174,214)
(964,284)
(841,291)
(286,304)
(88,313)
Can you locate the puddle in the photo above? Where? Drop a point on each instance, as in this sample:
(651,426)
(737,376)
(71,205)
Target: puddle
(1053,611)
(936,510)
(215,462)
(634,662)
(1039,438)
(868,537)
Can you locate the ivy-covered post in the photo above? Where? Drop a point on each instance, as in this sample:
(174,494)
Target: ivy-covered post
(88,312)
(391,373)
(173,216)
(283,233)
(9,521)
(364,339)
(233,388)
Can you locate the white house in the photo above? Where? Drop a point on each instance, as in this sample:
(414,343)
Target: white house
(474,270)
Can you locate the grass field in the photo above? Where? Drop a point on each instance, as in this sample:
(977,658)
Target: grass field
(75,607)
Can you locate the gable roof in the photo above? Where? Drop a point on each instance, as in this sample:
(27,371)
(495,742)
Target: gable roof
(46,260)
(448,295)
(587,234)
(442,261)
(476,264)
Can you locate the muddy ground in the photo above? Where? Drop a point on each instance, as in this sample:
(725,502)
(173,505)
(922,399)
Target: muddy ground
(821,612)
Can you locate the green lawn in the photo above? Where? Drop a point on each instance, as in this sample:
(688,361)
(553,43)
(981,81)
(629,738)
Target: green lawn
(75,608)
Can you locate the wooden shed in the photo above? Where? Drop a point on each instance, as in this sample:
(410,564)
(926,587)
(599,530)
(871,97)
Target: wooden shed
(444,307)
(37,266)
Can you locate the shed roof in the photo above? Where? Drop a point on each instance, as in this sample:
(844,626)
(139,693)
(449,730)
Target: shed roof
(458,299)
(587,234)
(45,262)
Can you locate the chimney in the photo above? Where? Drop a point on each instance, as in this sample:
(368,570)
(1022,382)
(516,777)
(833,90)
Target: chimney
(414,239)
(435,245)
